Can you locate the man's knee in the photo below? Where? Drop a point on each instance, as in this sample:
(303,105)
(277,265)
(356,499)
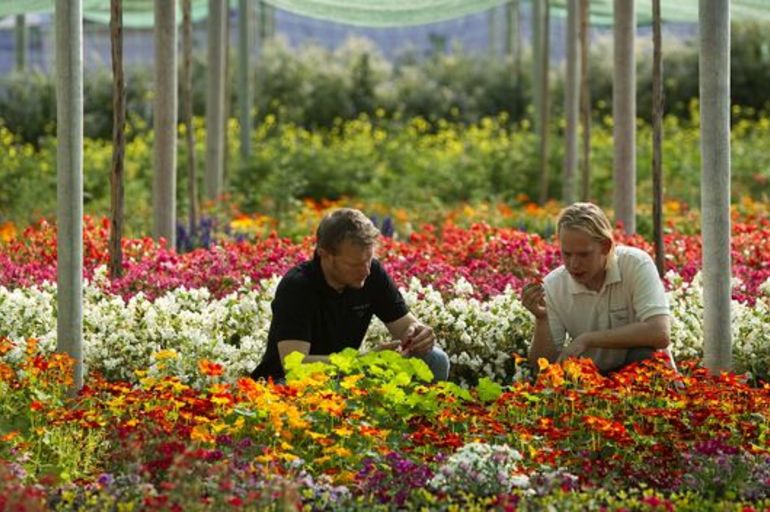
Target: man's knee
(438,362)
(638,354)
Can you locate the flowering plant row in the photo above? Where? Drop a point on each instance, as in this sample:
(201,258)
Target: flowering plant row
(489,258)
(167,335)
(367,433)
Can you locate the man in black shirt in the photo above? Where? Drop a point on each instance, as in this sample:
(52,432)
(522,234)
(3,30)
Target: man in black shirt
(324,305)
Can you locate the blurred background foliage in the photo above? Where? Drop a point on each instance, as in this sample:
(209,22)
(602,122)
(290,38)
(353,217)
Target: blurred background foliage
(419,132)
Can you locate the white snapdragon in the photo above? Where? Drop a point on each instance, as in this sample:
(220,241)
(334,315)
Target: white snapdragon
(480,337)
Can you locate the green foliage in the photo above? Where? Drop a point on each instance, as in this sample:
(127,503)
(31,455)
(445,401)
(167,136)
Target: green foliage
(28,104)
(356,79)
(489,390)
(377,160)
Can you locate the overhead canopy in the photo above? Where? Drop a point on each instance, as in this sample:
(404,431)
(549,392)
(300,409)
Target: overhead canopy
(136,13)
(392,13)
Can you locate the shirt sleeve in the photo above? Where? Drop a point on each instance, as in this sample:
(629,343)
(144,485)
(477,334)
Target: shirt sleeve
(292,308)
(388,303)
(649,297)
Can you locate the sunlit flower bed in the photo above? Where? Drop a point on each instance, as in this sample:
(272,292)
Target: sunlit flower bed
(167,420)
(366,433)
(215,303)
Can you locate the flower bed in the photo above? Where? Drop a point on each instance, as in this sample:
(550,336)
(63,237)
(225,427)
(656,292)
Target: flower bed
(215,303)
(167,420)
(365,433)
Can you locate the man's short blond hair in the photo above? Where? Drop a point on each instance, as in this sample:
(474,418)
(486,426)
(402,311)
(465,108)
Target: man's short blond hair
(588,218)
(346,224)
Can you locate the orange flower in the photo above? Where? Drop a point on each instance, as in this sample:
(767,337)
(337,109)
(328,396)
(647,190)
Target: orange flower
(210,368)
(7,232)
(6,345)
(9,437)
(6,372)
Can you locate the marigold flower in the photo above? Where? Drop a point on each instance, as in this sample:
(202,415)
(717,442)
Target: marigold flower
(210,368)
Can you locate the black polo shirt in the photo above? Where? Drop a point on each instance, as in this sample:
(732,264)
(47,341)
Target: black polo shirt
(306,308)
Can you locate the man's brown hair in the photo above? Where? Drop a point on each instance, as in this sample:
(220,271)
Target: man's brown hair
(346,224)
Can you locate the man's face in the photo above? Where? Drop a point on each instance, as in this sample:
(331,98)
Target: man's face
(349,266)
(584,258)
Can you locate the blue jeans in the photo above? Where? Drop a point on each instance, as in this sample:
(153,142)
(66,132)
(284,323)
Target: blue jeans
(438,362)
(634,355)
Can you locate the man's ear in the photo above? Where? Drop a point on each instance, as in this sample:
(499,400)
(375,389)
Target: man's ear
(323,253)
(606,246)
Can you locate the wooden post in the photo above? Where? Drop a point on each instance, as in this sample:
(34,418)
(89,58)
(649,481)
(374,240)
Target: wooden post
(244,76)
(69,164)
(21,43)
(585,101)
(624,114)
(657,140)
(165,118)
(714,16)
(187,117)
(118,140)
(571,101)
(215,99)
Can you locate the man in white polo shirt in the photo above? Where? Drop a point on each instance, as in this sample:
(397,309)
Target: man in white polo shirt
(607,298)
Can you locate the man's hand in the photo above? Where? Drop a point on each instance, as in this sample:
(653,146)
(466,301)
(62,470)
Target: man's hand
(533,298)
(576,348)
(418,340)
(388,345)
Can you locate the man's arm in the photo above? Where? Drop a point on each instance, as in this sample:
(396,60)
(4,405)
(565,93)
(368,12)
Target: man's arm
(416,337)
(653,332)
(533,298)
(542,345)
(286,347)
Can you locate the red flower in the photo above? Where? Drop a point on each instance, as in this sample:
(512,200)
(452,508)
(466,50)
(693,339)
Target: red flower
(210,368)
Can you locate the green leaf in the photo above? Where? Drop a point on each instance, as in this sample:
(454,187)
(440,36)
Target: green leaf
(293,361)
(345,360)
(393,393)
(488,390)
(297,370)
(421,369)
(402,378)
(453,389)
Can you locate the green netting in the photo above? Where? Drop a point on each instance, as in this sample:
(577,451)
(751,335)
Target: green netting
(388,13)
(136,13)
(379,13)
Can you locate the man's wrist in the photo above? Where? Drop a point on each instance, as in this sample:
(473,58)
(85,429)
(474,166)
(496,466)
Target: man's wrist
(588,340)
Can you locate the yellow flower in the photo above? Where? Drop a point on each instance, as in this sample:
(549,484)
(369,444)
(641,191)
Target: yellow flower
(339,451)
(165,354)
(343,431)
(201,433)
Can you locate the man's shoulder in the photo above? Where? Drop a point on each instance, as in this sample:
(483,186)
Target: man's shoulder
(556,278)
(300,278)
(377,275)
(632,256)
(377,267)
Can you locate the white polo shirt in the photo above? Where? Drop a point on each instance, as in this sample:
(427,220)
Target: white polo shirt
(632,292)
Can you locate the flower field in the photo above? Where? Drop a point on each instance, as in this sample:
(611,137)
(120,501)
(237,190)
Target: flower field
(168,421)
